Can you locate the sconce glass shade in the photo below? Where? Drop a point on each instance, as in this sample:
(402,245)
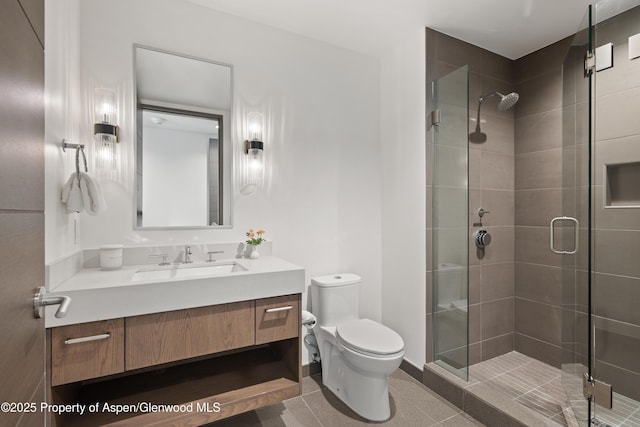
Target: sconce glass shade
(254,151)
(255,123)
(255,158)
(105,131)
(105,153)
(105,106)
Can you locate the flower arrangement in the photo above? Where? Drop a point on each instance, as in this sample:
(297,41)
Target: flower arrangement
(255,237)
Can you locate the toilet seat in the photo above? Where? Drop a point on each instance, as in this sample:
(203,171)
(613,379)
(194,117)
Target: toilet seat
(368,337)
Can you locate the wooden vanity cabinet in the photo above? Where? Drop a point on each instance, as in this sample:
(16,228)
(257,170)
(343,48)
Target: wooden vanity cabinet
(233,357)
(277,318)
(87,350)
(160,338)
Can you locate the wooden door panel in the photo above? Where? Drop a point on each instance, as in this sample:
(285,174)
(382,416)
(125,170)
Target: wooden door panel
(35,13)
(21,271)
(21,112)
(21,209)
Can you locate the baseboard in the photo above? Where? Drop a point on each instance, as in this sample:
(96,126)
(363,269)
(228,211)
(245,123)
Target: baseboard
(412,370)
(311,369)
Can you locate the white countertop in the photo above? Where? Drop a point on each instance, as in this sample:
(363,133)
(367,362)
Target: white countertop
(99,295)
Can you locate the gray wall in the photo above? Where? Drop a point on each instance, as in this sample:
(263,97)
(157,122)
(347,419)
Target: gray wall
(538,199)
(616,284)
(517,302)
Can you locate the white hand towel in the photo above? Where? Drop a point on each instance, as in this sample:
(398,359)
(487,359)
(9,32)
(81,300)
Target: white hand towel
(86,196)
(71,196)
(91,194)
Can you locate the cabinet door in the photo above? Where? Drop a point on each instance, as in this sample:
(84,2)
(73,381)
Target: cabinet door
(159,338)
(277,318)
(87,350)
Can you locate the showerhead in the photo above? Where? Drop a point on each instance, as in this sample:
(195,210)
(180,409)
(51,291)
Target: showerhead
(508,101)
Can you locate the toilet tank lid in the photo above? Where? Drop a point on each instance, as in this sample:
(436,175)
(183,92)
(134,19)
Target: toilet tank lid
(336,280)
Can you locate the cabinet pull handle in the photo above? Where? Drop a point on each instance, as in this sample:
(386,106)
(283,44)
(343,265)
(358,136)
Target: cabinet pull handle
(274,310)
(87,339)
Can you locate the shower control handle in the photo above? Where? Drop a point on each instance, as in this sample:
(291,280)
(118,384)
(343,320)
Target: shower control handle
(482,238)
(482,211)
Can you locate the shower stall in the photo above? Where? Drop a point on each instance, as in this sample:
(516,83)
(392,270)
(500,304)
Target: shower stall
(534,227)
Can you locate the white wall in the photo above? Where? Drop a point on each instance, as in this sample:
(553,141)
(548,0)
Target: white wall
(321,204)
(62,91)
(404,194)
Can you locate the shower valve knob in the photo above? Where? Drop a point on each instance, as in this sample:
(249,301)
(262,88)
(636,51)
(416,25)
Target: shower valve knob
(483,239)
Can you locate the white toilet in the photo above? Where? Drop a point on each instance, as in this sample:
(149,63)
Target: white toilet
(357,354)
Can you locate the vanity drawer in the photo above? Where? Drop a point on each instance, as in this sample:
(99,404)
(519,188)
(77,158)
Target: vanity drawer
(87,350)
(277,318)
(165,337)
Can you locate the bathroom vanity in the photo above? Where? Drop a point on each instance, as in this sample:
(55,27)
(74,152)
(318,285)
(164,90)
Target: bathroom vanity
(185,349)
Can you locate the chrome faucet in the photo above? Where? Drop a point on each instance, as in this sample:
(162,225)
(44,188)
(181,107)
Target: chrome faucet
(187,254)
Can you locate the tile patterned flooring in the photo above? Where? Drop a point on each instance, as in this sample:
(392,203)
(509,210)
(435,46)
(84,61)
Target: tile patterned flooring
(514,379)
(533,392)
(412,404)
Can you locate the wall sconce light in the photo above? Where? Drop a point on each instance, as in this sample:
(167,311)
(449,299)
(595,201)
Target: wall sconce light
(254,147)
(105,130)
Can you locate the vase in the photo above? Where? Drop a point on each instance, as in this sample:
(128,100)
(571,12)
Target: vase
(254,252)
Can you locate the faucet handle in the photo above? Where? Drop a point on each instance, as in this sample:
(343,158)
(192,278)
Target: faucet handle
(211,255)
(163,256)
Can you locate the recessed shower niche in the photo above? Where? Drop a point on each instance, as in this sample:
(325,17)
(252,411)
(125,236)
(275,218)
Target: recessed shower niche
(621,185)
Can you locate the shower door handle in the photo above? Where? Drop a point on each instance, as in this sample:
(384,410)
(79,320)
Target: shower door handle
(552,234)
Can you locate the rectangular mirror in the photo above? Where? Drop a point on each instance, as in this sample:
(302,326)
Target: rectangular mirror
(184,156)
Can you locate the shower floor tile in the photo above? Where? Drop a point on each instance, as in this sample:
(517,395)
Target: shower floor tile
(533,393)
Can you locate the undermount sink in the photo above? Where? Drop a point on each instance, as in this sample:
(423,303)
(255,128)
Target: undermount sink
(182,271)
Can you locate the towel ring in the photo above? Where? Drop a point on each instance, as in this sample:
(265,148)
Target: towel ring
(80,149)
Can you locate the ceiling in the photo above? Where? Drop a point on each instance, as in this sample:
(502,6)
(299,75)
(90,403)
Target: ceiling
(512,28)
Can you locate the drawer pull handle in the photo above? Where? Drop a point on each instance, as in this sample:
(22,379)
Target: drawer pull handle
(87,339)
(275,310)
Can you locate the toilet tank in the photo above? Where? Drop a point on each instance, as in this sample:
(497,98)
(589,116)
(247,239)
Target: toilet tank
(335,298)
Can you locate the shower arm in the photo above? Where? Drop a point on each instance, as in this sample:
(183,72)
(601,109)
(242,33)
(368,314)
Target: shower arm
(483,97)
(478,117)
(480,101)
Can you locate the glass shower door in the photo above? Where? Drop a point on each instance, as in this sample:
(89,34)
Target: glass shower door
(615,270)
(601,165)
(571,231)
(450,210)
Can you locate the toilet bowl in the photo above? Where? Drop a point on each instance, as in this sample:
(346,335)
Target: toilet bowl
(357,355)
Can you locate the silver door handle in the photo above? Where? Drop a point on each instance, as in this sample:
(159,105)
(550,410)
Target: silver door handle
(274,310)
(40,300)
(552,235)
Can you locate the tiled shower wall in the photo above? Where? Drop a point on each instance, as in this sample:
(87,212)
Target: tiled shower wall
(616,285)
(538,199)
(491,185)
(518,305)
